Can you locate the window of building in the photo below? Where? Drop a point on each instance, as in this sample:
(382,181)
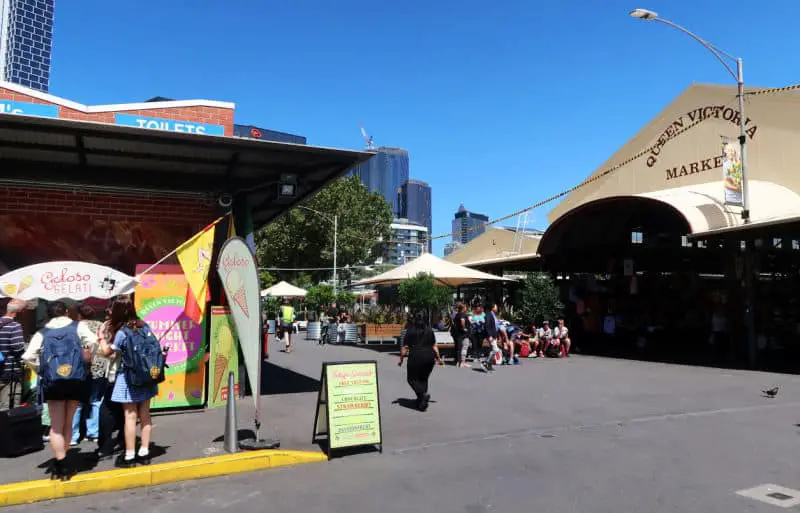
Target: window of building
(637,237)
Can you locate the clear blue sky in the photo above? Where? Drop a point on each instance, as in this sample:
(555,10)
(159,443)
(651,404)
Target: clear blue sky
(499,103)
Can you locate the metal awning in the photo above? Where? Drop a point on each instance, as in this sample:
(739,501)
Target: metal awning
(88,155)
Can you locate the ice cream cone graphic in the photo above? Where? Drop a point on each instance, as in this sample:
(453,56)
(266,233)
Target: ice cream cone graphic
(224,349)
(236,289)
(9,289)
(26,282)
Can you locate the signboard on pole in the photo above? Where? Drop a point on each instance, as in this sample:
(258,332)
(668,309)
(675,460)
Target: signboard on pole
(224,357)
(65,280)
(160,301)
(732,173)
(238,272)
(348,406)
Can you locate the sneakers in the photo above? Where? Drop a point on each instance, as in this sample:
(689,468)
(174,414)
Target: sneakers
(73,443)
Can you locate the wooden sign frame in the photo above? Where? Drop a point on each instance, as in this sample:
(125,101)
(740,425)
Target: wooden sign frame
(322,409)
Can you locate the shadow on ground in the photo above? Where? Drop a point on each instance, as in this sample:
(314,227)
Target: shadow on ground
(278,380)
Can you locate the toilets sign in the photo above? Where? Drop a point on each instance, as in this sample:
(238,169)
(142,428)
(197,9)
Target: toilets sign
(28,109)
(168,125)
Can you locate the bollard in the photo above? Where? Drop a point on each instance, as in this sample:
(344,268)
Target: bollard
(231,431)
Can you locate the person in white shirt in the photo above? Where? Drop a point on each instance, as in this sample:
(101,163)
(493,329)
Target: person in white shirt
(62,401)
(547,339)
(561,333)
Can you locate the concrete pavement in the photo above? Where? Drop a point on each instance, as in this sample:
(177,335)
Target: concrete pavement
(572,435)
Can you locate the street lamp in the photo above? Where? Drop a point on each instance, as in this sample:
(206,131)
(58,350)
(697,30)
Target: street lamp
(335,230)
(647,15)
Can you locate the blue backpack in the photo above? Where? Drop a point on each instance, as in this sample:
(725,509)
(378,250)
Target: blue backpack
(142,358)
(61,360)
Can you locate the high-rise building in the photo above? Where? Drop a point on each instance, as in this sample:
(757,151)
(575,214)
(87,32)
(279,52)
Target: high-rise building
(385,173)
(266,135)
(451,246)
(26,42)
(467,225)
(408,242)
(414,204)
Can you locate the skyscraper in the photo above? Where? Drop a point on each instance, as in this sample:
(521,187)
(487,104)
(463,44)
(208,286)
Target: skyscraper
(467,225)
(385,173)
(414,204)
(408,241)
(26,41)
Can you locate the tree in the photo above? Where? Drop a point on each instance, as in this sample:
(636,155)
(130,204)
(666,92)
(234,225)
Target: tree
(319,295)
(539,299)
(422,292)
(304,239)
(345,299)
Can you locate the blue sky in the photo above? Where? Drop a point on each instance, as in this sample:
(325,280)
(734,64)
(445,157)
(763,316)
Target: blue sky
(500,104)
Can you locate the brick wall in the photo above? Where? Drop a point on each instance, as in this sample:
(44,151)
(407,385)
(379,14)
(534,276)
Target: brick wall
(145,208)
(209,115)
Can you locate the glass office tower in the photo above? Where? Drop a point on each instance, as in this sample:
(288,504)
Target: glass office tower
(385,173)
(414,203)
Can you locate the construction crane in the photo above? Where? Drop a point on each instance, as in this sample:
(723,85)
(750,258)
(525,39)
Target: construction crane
(368,141)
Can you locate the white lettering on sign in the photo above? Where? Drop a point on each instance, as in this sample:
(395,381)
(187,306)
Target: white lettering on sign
(5,108)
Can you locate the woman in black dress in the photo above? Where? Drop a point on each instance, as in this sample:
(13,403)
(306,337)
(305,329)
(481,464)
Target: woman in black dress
(420,347)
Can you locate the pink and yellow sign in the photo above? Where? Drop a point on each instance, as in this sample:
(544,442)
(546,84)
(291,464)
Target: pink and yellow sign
(160,300)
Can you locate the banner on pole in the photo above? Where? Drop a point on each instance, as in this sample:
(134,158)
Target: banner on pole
(732,173)
(238,272)
(224,357)
(160,301)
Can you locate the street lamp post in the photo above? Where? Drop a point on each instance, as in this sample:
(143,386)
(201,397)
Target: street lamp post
(335,239)
(644,14)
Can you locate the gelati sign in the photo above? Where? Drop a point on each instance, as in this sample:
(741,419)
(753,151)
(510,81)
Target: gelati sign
(168,125)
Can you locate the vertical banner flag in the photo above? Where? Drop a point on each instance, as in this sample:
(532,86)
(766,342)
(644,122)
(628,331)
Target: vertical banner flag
(732,173)
(238,272)
(194,256)
(160,301)
(224,357)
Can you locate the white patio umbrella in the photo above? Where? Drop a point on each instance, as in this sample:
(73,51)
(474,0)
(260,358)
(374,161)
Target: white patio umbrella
(444,272)
(283,289)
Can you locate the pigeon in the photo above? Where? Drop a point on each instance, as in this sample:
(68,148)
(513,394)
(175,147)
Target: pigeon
(771,393)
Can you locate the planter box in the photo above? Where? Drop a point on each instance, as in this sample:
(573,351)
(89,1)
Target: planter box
(380,331)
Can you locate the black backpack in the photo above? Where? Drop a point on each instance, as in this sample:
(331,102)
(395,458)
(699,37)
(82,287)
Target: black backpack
(142,358)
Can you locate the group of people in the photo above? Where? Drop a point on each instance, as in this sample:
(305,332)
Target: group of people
(480,335)
(80,361)
(476,332)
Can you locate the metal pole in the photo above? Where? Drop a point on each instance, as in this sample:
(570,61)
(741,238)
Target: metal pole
(231,430)
(335,241)
(743,143)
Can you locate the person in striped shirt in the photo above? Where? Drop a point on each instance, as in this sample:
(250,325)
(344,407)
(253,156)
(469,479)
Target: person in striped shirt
(12,345)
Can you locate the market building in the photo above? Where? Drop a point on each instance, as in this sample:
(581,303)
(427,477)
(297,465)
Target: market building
(652,251)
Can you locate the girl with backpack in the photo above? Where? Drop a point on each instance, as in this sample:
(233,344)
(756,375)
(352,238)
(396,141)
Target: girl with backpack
(58,352)
(132,338)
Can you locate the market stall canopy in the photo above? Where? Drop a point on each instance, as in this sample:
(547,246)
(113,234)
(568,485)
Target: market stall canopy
(283,289)
(65,280)
(446,273)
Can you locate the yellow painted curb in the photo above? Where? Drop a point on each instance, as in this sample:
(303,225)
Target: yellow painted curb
(123,479)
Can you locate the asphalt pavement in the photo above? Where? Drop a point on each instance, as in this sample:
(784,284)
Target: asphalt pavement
(582,434)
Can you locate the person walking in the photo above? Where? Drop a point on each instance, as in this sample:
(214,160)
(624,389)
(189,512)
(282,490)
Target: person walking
(420,347)
(59,354)
(492,332)
(461,330)
(125,324)
(286,317)
(12,345)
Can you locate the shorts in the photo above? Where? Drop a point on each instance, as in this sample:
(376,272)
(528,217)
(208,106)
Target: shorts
(68,391)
